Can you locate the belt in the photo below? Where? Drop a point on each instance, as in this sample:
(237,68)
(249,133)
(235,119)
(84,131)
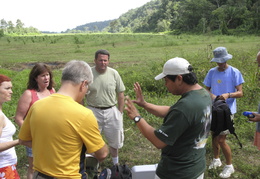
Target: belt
(102,108)
(43,175)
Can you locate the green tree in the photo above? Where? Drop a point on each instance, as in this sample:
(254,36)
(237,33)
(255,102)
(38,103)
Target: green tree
(19,27)
(163,25)
(114,26)
(1,33)
(255,14)
(191,12)
(4,26)
(11,28)
(202,26)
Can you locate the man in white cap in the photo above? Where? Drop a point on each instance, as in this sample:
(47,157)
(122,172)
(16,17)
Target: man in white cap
(186,125)
(226,82)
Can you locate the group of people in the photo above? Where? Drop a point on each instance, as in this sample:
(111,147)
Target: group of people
(61,128)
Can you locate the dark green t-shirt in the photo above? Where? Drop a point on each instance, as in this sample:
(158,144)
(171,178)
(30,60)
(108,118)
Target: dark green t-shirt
(185,131)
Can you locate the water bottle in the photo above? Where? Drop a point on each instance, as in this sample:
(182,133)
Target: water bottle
(248,114)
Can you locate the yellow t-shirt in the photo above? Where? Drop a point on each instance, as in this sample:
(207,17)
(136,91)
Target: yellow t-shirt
(59,127)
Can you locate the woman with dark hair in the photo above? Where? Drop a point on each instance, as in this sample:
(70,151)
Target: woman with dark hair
(8,158)
(40,85)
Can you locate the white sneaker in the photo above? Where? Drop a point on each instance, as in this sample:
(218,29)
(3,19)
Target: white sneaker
(227,171)
(215,163)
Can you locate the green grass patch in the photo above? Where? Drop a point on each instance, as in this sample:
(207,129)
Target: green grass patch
(140,57)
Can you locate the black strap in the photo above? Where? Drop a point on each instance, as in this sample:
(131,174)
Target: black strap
(44,176)
(240,144)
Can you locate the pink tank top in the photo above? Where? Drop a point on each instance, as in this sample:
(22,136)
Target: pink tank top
(35,97)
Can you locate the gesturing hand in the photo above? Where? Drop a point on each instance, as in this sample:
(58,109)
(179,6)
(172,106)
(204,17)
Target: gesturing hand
(139,96)
(130,108)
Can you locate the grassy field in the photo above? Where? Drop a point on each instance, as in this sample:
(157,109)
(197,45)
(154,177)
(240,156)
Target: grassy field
(140,57)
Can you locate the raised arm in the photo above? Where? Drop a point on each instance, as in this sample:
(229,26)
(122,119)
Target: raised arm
(157,110)
(146,129)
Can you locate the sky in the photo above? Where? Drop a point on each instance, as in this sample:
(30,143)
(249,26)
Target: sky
(60,15)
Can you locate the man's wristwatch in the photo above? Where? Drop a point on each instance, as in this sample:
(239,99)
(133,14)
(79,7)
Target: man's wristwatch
(137,119)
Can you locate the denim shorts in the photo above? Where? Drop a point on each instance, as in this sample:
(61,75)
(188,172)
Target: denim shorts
(29,152)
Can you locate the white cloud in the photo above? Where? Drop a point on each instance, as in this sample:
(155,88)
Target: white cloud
(60,15)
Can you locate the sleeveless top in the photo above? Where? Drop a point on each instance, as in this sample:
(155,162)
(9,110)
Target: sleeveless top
(7,157)
(35,96)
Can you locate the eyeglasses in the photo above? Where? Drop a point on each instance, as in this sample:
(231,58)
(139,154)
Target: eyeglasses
(88,92)
(87,86)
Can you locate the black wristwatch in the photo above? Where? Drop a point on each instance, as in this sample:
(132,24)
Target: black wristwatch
(137,119)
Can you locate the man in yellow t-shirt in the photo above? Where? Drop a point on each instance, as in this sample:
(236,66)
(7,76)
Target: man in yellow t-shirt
(61,130)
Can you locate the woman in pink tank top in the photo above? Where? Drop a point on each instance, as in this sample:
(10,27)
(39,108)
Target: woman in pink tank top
(40,85)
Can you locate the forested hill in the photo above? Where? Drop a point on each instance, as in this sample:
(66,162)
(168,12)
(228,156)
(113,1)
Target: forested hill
(198,16)
(91,27)
(134,15)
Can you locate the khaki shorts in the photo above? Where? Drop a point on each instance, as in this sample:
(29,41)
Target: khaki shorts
(110,122)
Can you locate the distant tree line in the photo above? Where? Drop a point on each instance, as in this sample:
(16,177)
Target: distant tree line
(18,28)
(176,16)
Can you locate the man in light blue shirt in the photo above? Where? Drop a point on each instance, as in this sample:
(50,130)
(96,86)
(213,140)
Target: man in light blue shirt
(226,82)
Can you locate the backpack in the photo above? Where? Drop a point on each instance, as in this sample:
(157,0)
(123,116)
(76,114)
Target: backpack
(221,119)
(105,174)
(116,172)
(91,166)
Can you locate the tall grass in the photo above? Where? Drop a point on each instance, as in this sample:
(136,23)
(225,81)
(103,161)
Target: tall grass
(140,57)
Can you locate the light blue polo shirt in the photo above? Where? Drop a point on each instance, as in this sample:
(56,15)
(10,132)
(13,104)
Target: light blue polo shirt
(222,82)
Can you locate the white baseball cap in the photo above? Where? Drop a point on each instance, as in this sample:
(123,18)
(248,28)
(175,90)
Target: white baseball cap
(174,66)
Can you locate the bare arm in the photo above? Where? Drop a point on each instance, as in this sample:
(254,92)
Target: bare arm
(256,118)
(159,111)
(144,127)
(25,143)
(224,96)
(101,154)
(211,94)
(121,101)
(9,144)
(22,107)
(238,93)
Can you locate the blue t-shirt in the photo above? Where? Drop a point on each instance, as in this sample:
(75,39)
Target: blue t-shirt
(222,82)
